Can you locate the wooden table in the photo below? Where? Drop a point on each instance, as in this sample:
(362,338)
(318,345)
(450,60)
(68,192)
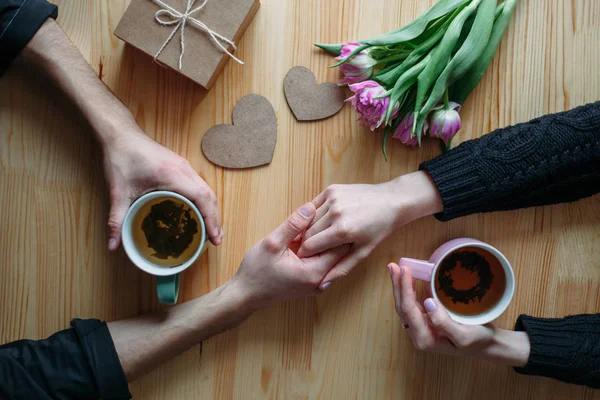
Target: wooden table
(348,343)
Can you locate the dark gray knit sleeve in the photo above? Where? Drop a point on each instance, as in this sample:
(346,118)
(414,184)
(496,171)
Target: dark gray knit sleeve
(567,349)
(549,160)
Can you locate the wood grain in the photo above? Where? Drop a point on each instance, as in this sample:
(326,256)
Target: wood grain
(348,343)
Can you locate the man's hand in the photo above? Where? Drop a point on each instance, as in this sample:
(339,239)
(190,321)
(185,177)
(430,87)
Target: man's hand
(271,271)
(134,165)
(365,215)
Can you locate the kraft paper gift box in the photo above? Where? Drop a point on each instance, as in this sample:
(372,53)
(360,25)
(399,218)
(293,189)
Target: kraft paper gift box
(203,59)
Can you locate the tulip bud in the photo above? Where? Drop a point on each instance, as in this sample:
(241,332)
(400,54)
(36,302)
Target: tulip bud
(444,122)
(357,69)
(404,130)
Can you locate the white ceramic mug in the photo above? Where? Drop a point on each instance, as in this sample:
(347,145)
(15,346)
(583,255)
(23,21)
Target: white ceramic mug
(167,279)
(426,271)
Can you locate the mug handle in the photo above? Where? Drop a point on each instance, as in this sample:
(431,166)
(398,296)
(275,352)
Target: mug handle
(420,269)
(167,289)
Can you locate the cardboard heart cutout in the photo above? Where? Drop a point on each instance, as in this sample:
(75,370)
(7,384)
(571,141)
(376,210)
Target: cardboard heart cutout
(250,141)
(309,101)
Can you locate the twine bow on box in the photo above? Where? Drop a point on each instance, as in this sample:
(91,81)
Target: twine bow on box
(181,19)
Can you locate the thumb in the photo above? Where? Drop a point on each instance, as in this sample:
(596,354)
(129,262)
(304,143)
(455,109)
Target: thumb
(295,225)
(115,221)
(442,323)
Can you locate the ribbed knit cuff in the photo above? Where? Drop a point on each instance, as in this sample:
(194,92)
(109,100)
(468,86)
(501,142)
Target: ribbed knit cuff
(567,349)
(458,181)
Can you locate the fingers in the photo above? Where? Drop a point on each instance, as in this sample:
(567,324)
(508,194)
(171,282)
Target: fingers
(206,201)
(318,226)
(321,212)
(322,241)
(118,210)
(320,199)
(325,261)
(344,266)
(405,300)
(295,225)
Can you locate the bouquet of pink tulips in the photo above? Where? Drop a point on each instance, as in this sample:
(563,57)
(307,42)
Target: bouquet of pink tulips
(412,81)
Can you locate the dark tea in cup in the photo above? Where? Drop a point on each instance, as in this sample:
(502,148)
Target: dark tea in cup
(166,231)
(164,234)
(470,281)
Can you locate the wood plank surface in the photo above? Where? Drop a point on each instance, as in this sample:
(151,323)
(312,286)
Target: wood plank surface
(348,343)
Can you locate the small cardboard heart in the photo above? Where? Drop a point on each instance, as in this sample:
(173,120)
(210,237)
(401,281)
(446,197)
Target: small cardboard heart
(309,101)
(250,141)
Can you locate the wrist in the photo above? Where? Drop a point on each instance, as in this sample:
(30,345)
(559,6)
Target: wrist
(242,297)
(508,347)
(112,127)
(417,197)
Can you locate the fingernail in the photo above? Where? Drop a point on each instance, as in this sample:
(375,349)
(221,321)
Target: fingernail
(325,285)
(216,231)
(390,269)
(430,305)
(306,211)
(112,243)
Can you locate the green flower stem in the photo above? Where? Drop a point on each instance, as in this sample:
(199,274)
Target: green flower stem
(463,87)
(446,102)
(418,26)
(440,57)
(405,82)
(464,58)
(388,78)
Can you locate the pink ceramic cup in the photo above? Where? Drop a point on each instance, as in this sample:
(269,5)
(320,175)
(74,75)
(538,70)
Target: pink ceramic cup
(426,270)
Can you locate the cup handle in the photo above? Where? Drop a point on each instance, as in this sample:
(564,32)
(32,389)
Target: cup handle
(167,289)
(420,269)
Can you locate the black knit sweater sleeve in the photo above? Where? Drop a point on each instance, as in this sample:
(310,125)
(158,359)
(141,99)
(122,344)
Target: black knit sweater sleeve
(549,160)
(567,349)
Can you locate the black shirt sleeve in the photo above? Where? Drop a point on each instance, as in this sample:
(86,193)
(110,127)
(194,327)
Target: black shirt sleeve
(77,363)
(567,349)
(19,21)
(549,160)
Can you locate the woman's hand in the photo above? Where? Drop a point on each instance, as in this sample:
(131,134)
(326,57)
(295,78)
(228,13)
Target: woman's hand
(272,272)
(365,215)
(431,328)
(134,165)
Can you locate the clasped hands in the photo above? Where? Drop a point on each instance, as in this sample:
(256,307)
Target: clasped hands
(333,233)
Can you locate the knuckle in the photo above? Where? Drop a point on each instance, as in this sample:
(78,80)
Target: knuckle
(270,244)
(344,232)
(422,344)
(405,308)
(398,309)
(294,223)
(439,323)
(113,224)
(331,190)
(462,341)
(336,211)
(207,195)
(184,163)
